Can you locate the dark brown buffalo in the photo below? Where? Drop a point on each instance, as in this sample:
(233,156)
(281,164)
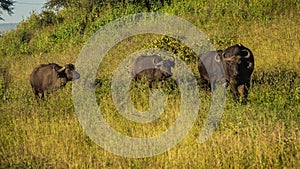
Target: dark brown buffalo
(237,62)
(48,77)
(153,68)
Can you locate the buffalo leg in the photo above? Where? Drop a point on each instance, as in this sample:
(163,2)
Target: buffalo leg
(204,83)
(235,92)
(43,95)
(36,94)
(245,89)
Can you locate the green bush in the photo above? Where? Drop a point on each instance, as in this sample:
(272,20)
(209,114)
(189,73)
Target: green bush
(16,42)
(174,46)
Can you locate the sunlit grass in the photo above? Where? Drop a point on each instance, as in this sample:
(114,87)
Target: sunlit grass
(262,134)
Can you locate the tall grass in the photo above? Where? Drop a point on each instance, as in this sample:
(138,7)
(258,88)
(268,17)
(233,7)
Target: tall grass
(262,134)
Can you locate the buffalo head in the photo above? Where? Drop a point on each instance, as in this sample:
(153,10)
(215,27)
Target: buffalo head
(153,68)
(164,66)
(68,72)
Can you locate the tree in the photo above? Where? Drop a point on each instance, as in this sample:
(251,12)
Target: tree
(57,4)
(6,5)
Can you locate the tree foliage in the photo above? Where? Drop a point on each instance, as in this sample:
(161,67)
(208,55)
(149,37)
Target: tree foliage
(57,4)
(89,4)
(6,5)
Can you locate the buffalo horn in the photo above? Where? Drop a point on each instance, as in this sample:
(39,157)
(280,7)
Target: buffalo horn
(156,62)
(217,58)
(248,53)
(173,59)
(61,69)
(228,58)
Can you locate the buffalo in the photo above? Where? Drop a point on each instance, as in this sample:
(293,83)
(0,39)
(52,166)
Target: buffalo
(48,77)
(237,64)
(153,68)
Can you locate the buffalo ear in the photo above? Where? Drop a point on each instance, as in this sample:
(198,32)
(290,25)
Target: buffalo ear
(70,66)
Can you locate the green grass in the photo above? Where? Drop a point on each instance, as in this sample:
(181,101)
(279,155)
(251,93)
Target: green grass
(262,134)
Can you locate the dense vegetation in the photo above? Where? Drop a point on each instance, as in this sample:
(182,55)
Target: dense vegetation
(262,134)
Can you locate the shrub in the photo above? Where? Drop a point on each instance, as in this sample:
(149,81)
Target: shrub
(175,46)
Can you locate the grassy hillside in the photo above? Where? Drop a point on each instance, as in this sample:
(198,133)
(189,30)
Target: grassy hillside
(262,134)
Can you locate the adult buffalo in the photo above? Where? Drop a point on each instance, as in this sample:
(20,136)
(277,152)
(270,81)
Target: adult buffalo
(153,68)
(237,62)
(48,77)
